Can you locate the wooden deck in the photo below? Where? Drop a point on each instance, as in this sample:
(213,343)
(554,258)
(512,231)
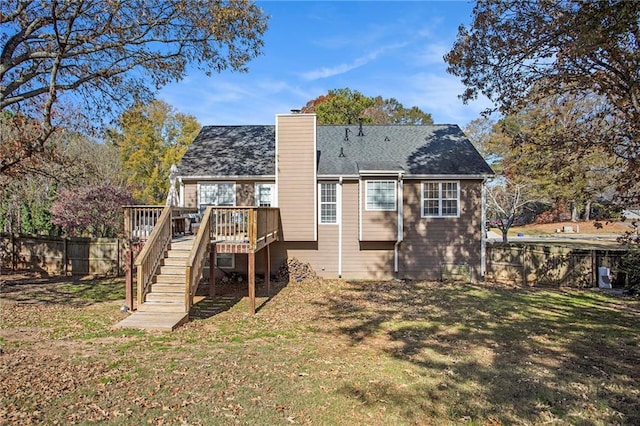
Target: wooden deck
(170,264)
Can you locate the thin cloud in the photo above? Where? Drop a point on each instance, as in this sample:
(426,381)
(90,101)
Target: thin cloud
(326,72)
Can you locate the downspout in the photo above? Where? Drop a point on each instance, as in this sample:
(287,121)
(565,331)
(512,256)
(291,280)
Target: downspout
(339,212)
(400,237)
(483,230)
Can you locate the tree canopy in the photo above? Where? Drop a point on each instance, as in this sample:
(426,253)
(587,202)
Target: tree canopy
(94,210)
(519,53)
(346,106)
(97,56)
(150,138)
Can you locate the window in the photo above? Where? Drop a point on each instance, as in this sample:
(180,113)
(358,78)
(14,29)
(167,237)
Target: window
(225,260)
(217,194)
(440,199)
(381,195)
(265,193)
(328,203)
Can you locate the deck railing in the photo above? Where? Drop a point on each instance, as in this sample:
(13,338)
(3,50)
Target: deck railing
(153,252)
(139,221)
(197,257)
(255,226)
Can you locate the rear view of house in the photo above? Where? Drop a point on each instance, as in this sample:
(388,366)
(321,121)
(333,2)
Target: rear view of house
(355,201)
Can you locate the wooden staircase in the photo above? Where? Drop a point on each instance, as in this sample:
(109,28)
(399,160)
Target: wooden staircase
(164,307)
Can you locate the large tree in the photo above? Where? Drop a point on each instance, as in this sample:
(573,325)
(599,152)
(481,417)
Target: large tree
(346,106)
(150,138)
(100,55)
(518,52)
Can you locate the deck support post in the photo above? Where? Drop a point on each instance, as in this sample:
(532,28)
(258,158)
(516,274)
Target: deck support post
(212,270)
(267,271)
(129,278)
(252,282)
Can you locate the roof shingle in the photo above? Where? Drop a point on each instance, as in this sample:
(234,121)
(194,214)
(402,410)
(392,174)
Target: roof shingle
(417,150)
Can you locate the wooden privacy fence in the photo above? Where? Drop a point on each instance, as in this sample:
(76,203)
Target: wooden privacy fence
(63,256)
(537,264)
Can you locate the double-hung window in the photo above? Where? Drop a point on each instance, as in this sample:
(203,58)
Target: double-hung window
(217,194)
(328,203)
(440,199)
(265,193)
(380,195)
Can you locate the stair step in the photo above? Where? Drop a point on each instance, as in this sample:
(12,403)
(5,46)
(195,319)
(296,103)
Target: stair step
(160,296)
(164,321)
(158,307)
(168,287)
(182,244)
(170,278)
(172,270)
(178,254)
(175,261)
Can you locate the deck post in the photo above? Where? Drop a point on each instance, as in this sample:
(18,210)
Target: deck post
(129,278)
(212,270)
(252,282)
(267,271)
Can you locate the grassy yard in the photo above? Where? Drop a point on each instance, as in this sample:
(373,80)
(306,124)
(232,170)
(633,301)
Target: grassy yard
(335,352)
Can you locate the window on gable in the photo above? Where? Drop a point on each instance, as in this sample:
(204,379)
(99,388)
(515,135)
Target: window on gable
(217,194)
(328,203)
(381,195)
(265,193)
(440,199)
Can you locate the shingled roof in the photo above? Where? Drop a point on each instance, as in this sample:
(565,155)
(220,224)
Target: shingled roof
(416,150)
(221,151)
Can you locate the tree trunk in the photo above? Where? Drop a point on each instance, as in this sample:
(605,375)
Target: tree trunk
(587,211)
(574,211)
(504,234)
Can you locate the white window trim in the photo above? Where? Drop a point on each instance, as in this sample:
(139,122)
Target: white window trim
(440,199)
(272,193)
(235,190)
(232,257)
(320,203)
(395,193)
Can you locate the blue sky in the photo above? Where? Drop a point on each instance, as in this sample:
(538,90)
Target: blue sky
(391,49)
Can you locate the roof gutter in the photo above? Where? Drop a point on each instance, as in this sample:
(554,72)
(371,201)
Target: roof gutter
(228,177)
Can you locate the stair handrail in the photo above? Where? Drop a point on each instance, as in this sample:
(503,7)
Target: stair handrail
(197,257)
(152,253)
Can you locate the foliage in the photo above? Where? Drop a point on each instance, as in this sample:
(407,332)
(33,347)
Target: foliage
(346,106)
(519,53)
(543,145)
(506,203)
(151,137)
(96,56)
(92,210)
(75,160)
(630,262)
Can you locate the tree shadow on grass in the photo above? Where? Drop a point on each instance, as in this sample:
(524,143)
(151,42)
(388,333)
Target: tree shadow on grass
(74,291)
(229,295)
(511,355)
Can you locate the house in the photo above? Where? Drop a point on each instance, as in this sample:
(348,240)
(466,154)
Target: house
(355,201)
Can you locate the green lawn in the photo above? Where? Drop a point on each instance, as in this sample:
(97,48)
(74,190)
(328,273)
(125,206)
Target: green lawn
(325,353)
